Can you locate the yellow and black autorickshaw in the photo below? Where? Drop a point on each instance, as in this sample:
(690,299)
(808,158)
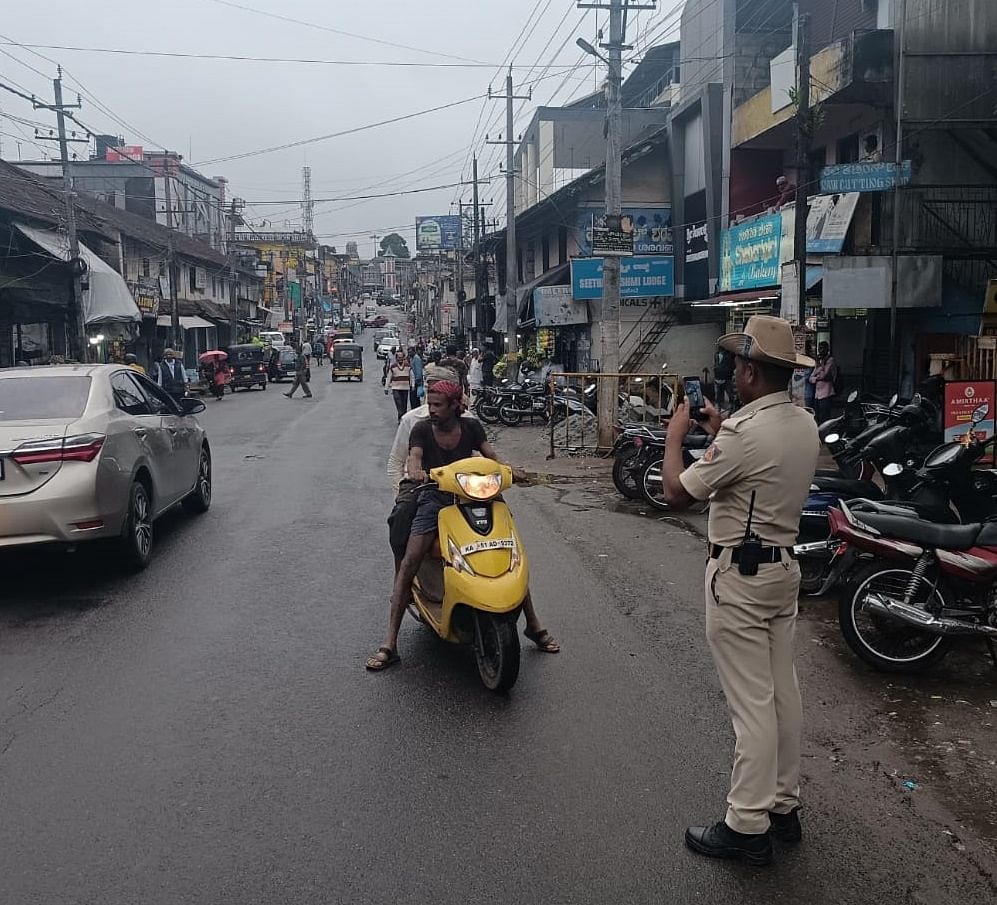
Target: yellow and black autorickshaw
(347,361)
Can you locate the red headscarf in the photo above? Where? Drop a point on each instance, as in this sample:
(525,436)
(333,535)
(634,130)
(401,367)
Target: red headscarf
(451,391)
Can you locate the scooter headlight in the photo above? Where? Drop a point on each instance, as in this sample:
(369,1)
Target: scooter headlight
(480,486)
(457,558)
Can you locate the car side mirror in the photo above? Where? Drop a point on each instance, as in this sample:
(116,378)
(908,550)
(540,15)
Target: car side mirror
(191,406)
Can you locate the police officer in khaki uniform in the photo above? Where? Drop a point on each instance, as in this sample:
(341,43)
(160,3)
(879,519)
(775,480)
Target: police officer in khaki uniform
(761,462)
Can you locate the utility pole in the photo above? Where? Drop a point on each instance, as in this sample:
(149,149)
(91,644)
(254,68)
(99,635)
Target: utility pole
(901,32)
(75,262)
(511,264)
(176,335)
(478,314)
(233,275)
(804,133)
(609,355)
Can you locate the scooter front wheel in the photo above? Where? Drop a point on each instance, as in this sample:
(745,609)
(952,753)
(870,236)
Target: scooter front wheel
(496,648)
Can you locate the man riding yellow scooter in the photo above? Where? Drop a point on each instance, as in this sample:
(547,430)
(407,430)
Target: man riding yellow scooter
(473,590)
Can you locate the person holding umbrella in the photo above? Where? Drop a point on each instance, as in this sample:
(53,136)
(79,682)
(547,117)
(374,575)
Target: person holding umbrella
(215,370)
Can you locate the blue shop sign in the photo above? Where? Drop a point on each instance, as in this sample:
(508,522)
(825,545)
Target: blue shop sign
(749,257)
(652,228)
(864,177)
(641,277)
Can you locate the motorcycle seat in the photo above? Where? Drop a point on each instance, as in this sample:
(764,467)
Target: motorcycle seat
(848,488)
(947,537)
(697,441)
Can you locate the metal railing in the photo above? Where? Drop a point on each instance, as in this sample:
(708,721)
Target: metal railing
(572,412)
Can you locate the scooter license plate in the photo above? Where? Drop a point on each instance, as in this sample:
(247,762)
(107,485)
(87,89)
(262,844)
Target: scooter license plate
(481,546)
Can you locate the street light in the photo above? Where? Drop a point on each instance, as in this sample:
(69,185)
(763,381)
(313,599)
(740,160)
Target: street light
(590,50)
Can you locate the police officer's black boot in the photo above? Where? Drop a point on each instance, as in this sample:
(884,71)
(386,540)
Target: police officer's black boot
(720,841)
(786,827)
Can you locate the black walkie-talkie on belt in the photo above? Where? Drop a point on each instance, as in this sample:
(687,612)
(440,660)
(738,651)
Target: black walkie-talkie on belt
(750,552)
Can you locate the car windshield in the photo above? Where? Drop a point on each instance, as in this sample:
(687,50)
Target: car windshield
(29,398)
(288,356)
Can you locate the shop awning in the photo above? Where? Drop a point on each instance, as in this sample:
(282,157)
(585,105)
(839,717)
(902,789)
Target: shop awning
(186,323)
(739,299)
(108,300)
(559,275)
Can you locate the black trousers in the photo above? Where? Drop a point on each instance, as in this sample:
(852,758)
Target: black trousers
(401,401)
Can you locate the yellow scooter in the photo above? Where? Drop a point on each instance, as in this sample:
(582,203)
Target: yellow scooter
(471,588)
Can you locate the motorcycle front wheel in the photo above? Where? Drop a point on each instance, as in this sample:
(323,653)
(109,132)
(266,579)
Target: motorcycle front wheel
(487,411)
(496,649)
(623,476)
(881,640)
(509,415)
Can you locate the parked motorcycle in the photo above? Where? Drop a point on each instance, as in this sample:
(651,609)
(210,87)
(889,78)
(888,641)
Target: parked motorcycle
(927,585)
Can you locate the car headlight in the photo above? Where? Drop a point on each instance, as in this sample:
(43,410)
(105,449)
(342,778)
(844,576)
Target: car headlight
(480,486)
(457,558)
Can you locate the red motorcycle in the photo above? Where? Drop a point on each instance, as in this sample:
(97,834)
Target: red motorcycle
(927,585)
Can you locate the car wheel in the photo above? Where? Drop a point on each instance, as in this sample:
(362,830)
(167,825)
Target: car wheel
(136,533)
(199,499)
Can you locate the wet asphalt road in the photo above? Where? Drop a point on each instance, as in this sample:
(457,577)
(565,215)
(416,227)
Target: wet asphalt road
(205,733)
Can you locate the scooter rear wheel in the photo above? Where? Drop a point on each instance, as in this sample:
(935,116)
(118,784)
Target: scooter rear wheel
(496,648)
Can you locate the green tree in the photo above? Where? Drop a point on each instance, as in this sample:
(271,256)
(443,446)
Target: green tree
(396,244)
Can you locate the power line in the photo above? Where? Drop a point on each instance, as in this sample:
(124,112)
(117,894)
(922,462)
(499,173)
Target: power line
(242,58)
(337,31)
(340,134)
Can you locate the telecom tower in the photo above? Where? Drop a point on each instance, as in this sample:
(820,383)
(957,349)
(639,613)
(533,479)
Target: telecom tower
(307,205)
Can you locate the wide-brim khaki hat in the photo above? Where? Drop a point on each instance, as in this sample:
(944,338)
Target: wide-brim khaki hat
(766,338)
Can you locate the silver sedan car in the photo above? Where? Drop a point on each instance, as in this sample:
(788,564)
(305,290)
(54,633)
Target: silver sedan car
(96,452)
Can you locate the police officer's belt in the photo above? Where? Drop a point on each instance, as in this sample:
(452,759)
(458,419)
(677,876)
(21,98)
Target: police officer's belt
(767,554)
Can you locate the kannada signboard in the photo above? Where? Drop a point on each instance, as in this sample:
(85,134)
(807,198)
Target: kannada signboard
(437,233)
(652,229)
(828,219)
(750,254)
(615,238)
(553,306)
(640,277)
(962,399)
(864,177)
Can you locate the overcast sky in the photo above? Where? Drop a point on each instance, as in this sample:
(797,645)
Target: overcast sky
(210,109)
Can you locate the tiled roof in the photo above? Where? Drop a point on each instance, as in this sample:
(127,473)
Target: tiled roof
(148,231)
(28,197)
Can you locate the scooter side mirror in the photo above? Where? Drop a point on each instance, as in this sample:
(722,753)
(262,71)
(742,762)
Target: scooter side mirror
(980,412)
(892,470)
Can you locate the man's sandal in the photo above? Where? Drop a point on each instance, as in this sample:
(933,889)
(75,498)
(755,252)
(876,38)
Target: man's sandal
(544,641)
(384,658)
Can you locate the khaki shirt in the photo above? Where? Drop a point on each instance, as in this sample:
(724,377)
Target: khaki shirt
(769,446)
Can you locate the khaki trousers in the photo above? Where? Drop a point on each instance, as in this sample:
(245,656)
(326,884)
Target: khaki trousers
(750,624)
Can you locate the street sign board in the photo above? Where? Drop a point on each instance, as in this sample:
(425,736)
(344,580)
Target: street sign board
(643,276)
(652,229)
(749,257)
(553,306)
(614,236)
(863,177)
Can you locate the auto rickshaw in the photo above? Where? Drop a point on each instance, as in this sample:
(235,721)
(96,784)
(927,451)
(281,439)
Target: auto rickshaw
(249,369)
(347,361)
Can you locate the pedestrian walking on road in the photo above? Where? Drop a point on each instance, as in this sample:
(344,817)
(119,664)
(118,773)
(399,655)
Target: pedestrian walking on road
(417,388)
(303,372)
(171,376)
(758,472)
(398,378)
